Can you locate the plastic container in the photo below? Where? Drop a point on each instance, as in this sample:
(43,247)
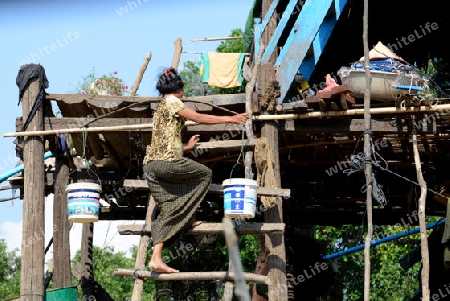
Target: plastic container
(83,202)
(240,196)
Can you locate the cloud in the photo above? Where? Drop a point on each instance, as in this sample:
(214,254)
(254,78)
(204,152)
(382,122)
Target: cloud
(105,234)
(11,232)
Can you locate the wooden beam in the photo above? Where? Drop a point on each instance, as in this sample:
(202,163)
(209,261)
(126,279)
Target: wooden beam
(295,48)
(281,24)
(210,228)
(189,276)
(87,268)
(213,188)
(320,40)
(61,227)
(355,126)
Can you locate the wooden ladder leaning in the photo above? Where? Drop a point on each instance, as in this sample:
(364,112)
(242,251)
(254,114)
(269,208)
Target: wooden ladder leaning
(140,273)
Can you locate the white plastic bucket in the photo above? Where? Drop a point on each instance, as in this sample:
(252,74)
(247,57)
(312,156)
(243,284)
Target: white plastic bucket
(239,196)
(83,202)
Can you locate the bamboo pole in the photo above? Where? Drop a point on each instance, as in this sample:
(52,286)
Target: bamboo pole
(142,252)
(193,276)
(367,155)
(422,224)
(231,240)
(442,109)
(354,112)
(216,39)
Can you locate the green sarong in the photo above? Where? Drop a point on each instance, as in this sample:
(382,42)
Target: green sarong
(178,187)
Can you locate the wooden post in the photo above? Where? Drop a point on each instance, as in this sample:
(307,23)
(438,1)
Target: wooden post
(177,53)
(87,269)
(62,275)
(142,251)
(33,229)
(140,74)
(274,243)
(424,251)
(367,155)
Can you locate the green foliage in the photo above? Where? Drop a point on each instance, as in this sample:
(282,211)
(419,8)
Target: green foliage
(389,281)
(440,76)
(234,45)
(203,254)
(105,261)
(231,46)
(192,79)
(9,272)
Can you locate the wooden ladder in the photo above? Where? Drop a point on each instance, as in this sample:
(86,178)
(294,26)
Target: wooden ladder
(144,231)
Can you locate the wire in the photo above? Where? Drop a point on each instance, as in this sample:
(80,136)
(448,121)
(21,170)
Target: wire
(240,154)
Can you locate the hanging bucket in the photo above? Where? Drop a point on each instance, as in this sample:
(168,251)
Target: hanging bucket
(239,196)
(83,202)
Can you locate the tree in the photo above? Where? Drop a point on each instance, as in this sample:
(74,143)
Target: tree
(231,46)
(203,253)
(105,261)
(9,272)
(193,85)
(391,277)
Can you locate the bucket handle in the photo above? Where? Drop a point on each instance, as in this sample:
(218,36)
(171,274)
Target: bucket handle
(89,171)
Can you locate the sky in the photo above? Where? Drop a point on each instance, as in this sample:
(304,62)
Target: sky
(70,39)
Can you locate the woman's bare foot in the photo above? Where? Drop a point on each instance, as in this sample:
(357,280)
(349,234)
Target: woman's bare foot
(161,267)
(196,223)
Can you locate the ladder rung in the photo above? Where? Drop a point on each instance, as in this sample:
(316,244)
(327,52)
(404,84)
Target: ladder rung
(225,276)
(213,188)
(209,228)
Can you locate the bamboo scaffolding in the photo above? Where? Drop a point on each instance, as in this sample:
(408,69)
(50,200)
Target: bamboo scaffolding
(310,115)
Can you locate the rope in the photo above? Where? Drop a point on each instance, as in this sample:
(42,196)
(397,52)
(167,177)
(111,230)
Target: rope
(358,162)
(240,154)
(135,273)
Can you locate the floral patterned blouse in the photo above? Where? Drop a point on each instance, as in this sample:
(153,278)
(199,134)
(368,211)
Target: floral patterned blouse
(166,142)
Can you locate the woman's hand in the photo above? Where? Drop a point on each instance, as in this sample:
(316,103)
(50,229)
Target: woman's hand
(191,143)
(239,118)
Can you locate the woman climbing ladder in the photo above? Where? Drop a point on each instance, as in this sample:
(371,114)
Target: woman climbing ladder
(177,184)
